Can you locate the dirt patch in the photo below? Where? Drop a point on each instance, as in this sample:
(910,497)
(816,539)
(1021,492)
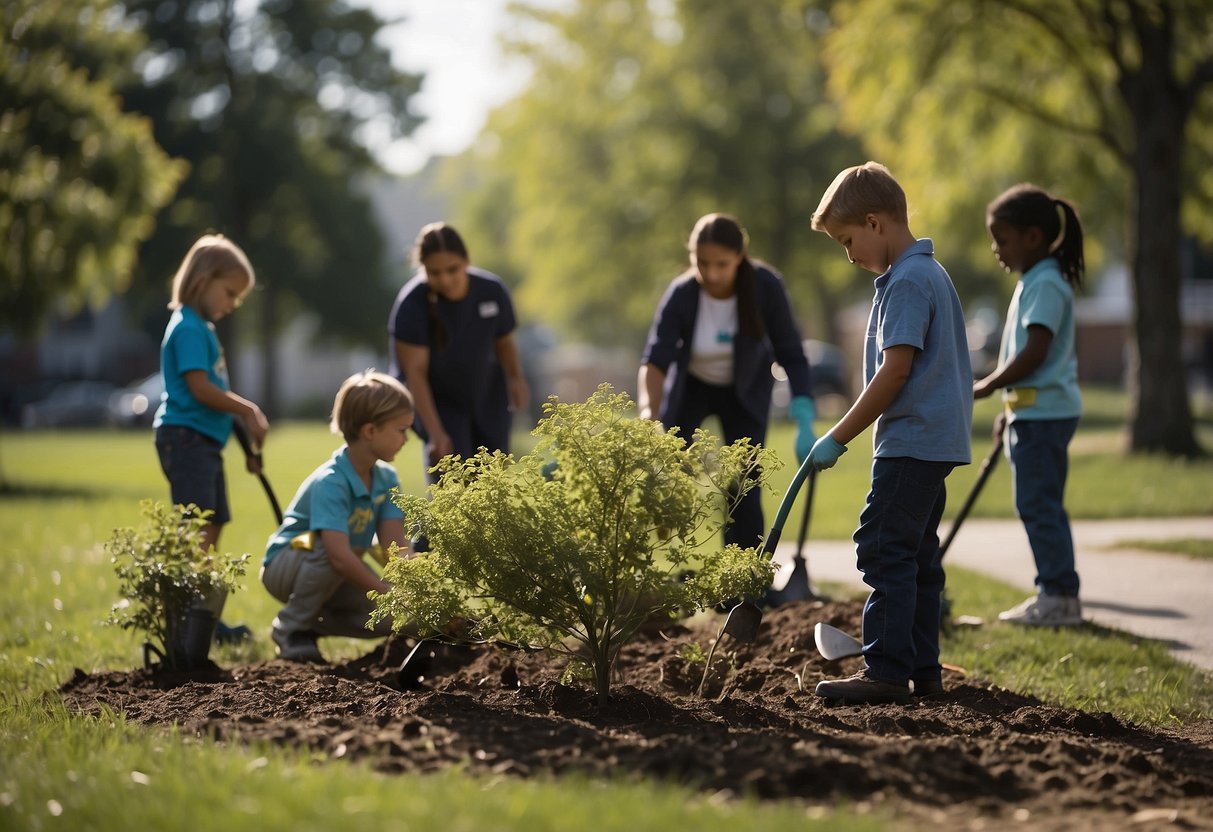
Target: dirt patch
(977,756)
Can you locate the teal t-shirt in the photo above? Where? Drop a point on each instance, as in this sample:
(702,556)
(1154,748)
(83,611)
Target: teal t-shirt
(1043,298)
(190,344)
(335,498)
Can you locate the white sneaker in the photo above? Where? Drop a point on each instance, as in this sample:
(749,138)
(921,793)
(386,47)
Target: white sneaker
(1045,611)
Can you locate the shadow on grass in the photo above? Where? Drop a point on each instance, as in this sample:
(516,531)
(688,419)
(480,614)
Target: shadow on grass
(49,491)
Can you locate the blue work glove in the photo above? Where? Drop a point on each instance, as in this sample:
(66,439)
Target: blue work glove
(804,412)
(825,453)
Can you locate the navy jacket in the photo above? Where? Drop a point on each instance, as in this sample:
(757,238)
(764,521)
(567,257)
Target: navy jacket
(669,345)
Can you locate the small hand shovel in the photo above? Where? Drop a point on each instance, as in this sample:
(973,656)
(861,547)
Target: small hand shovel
(833,643)
(744,619)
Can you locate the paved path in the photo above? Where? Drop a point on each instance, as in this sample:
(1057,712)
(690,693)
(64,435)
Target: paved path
(1151,594)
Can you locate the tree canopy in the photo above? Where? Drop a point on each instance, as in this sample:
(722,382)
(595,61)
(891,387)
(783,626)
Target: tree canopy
(642,117)
(1106,102)
(273,104)
(80,180)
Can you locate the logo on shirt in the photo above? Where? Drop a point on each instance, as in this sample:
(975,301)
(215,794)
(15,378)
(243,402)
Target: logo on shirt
(361,520)
(489,309)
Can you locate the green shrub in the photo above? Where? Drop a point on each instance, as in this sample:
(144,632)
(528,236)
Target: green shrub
(576,559)
(163,570)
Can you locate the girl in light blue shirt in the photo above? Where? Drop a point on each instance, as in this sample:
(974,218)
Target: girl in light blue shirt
(1039,237)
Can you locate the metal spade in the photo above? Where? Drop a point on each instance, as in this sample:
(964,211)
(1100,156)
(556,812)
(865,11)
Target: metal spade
(833,643)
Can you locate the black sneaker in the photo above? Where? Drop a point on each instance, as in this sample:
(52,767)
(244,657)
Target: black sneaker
(225,634)
(296,647)
(864,690)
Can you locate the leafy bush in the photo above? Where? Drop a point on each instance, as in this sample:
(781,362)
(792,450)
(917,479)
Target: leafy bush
(576,558)
(163,571)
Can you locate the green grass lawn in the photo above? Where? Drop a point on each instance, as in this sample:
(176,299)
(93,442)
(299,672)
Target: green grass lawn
(65,492)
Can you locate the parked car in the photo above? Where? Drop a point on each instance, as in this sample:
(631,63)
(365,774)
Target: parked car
(135,405)
(71,404)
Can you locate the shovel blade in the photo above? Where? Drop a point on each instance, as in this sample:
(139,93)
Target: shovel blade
(795,585)
(833,643)
(743,620)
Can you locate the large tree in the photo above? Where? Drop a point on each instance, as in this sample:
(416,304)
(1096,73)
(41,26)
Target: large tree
(1109,99)
(640,118)
(272,103)
(80,180)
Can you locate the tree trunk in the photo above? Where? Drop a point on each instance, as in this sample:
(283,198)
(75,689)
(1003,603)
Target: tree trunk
(1161,418)
(270,393)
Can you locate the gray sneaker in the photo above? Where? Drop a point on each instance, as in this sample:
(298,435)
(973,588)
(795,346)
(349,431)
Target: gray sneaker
(1045,611)
(297,646)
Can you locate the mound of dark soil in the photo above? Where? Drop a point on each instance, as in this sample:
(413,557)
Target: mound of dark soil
(978,756)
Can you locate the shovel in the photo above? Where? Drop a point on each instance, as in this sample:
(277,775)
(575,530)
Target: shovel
(833,643)
(796,586)
(246,445)
(743,620)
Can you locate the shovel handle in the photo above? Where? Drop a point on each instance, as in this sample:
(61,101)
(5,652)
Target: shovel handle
(987,467)
(246,445)
(785,507)
(804,518)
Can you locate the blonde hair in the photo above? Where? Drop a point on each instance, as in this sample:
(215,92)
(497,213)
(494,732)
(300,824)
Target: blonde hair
(211,257)
(368,398)
(858,191)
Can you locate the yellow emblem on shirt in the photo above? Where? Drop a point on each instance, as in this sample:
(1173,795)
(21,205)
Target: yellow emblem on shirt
(361,519)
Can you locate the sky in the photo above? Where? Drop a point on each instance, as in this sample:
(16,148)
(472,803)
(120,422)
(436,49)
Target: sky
(455,43)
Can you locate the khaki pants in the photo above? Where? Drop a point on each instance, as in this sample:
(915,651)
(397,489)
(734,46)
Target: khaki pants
(317,598)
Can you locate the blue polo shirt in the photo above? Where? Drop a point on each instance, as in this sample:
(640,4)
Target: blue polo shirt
(335,498)
(1044,298)
(916,304)
(465,372)
(190,344)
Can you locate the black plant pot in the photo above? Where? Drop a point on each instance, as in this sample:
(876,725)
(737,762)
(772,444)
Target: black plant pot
(188,641)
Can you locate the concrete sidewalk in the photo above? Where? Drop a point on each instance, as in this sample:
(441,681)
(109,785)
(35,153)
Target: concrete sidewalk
(1150,594)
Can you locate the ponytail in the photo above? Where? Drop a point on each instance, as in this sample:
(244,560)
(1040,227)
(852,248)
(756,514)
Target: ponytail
(749,317)
(439,337)
(1068,250)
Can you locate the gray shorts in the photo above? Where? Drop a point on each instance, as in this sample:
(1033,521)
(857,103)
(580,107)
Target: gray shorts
(193,464)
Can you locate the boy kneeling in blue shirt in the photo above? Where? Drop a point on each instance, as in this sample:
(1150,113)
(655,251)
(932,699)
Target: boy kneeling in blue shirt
(314,562)
(918,391)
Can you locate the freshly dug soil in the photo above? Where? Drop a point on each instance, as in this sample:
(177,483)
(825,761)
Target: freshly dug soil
(975,757)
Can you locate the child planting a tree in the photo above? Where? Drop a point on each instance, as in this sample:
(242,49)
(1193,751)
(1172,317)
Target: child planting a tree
(918,391)
(314,563)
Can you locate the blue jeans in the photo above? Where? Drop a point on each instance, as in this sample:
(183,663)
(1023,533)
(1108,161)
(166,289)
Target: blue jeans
(1039,464)
(897,545)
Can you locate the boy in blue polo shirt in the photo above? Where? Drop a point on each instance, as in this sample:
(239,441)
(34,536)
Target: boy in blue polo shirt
(918,391)
(314,562)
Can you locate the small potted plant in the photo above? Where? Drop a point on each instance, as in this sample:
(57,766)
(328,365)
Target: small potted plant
(575,546)
(172,587)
